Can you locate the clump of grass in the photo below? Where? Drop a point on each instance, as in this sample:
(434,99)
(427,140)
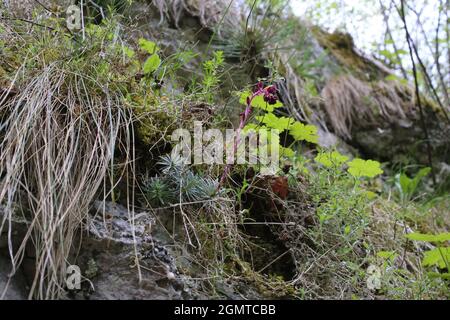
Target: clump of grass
(59,136)
(205,225)
(210,13)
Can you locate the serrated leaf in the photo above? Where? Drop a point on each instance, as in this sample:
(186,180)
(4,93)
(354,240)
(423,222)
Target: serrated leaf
(287,152)
(151,64)
(148,46)
(436,257)
(258,102)
(253,126)
(364,168)
(274,122)
(441,237)
(331,159)
(300,131)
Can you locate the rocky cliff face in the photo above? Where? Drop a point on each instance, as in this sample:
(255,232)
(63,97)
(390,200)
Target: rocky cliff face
(352,100)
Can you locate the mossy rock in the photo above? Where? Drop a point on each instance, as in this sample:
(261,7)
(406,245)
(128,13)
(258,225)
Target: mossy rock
(341,46)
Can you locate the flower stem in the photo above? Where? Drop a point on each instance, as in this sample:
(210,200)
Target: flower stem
(244,118)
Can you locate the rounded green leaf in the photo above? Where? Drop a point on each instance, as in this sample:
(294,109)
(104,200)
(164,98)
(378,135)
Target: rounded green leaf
(148,46)
(364,168)
(300,131)
(331,159)
(151,64)
(274,122)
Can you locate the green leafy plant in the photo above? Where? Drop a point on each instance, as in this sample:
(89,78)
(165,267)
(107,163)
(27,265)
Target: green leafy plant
(153,61)
(357,168)
(387,255)
(178,183)
(211,69)
(331,159)
(274,122)
(258,102)
(407,186)
(364,168)
(306,132)
(157,191)
(437,257)
(268,120)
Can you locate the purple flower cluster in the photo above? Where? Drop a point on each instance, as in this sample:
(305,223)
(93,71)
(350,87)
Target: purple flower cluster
(270,96)
(270,93)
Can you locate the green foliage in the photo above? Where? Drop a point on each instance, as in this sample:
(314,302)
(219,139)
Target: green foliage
(340,206)
(258,102)
(357,168)
(261,30)
(267,120)
(153,61)
(151,64)
(306,132)
(128,52)
(387,255)
(439,256)
(298,130)
(157,191)
(96,8)
(287,152)
(364,168)
(211,69)
(178,183)
(441,237)
(408,186)
(180,60)
(274,122)
(393,77)
(392,57)
(148,46)
(341,209)
(331,159)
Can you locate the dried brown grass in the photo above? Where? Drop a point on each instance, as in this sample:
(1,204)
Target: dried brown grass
(211,13)
(348,100)
(59,141)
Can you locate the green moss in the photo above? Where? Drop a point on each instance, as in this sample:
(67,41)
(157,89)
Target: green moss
(3,78)
(156,118)
(342,48)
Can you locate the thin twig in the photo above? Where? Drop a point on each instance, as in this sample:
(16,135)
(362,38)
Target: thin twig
(417,91)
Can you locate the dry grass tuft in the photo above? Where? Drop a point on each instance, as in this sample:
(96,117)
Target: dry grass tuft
(59,135)
(348,100)
(59,143)
(343,97)
(210,13)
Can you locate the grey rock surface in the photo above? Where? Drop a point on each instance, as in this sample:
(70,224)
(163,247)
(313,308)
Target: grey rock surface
(110,253)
